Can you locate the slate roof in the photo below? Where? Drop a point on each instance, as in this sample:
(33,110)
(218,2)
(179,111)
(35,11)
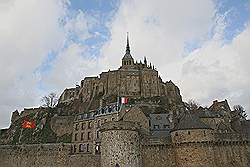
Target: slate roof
(245,127)
(153,110)
(190,121)
(127,56)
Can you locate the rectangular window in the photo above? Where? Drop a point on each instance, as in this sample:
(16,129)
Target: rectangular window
(76,137)
(166,126)
(74,149)
(97,134)
(98,124)
(82,136)
(76,127)
(83,124)
(81,148)
(89,125)
(156,127)
(87,147)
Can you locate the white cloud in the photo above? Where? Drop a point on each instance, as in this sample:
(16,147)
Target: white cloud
(74,61)
(160,30)
(71,65)
(28,31)
(219,71)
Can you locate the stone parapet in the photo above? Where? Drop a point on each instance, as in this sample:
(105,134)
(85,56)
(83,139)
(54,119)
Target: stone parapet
(120,125)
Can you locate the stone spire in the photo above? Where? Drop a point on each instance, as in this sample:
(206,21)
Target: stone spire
(127,59)
(127,47)
(145,61)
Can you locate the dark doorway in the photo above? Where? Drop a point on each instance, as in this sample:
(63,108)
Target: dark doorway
(117,165)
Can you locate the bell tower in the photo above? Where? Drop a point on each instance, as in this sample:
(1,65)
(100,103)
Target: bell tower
(127,60)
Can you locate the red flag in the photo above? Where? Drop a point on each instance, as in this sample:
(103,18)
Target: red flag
(28,124)
(124,100)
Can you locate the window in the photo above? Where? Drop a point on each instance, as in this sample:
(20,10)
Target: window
(176,134)
(81,148)
(97,134)
(74,150)
(98,123)
(188,132)
(89,125)
(156,127)
(76,127)
(82,136)
(87,147)
(76,137)
(166,126)
(97,149)
(83,124)
(112,119)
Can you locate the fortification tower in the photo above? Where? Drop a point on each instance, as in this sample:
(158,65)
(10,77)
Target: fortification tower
(120,144)
(192,142)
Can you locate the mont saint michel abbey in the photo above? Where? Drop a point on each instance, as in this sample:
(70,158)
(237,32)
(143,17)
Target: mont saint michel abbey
(127,117)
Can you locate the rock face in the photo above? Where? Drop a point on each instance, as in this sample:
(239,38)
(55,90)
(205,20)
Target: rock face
(91,127)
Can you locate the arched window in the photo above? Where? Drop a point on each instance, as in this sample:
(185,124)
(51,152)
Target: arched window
(98,123)
(81,148)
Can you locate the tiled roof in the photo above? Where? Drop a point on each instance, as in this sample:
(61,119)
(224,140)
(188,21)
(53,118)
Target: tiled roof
(190,121)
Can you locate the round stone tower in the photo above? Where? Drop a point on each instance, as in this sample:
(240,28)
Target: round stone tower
(120,145)
(192,141)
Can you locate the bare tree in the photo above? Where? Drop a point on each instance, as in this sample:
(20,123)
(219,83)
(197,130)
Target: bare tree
(192,105)
(50,100)
(239,111)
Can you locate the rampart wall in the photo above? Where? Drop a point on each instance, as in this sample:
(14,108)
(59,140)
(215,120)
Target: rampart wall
(46,155)
(154,154)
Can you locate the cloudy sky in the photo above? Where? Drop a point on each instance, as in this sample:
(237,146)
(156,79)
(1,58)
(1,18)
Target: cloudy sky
(48,45)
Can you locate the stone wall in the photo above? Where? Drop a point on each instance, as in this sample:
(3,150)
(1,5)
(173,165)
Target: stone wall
(158,156)
(62,125)
(46,155)
(232,154)
(192,135)
(154,154)
(120,145)
(86,132)
(161,153)
(135,114)
(194,155)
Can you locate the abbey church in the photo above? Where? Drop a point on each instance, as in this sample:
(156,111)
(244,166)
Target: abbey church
(127,117)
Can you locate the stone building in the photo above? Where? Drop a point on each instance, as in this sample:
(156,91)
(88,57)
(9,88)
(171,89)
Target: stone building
(154,129)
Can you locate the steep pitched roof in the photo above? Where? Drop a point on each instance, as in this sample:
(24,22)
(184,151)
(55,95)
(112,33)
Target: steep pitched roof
(222,105)
(190,121)
(245,127)
(127,55)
